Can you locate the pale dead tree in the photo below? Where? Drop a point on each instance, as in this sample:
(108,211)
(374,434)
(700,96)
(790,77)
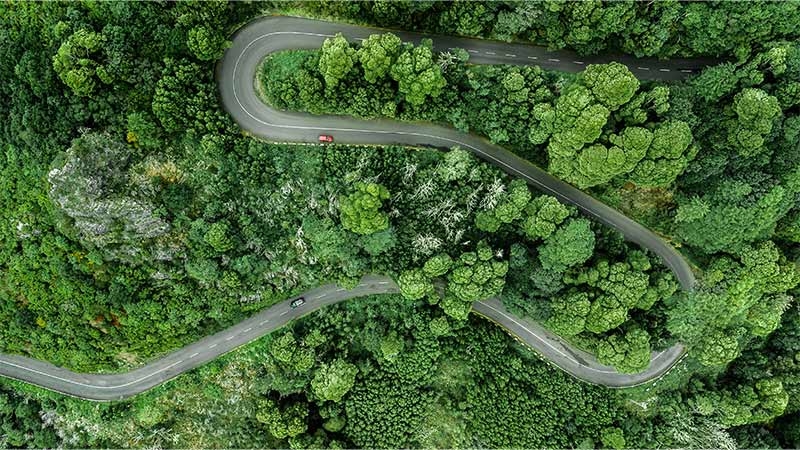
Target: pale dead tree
(472,198)
(456,235)
(394,213)
(425,245)
(352,176)
(474,174)
(445,60)
(408,172)
(425,190)
(362,162)
(312,202)
(250,298)
(333,204)
(372,179)
(493,194)
(287,189)
(445,208)
(499,253)
(698,432)
(396,197)
(269,254)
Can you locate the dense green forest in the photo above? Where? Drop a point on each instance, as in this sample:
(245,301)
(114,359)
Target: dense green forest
(138,218)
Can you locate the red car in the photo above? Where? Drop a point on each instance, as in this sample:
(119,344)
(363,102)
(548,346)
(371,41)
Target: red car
(325,138)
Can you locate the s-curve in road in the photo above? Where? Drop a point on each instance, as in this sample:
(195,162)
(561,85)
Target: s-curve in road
(108,387)
(118,386)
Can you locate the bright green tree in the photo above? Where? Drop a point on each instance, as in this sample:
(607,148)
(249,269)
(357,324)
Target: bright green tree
(568,246)
(377,55)
(417,74)
(360,211)
(332,381)
(336,59)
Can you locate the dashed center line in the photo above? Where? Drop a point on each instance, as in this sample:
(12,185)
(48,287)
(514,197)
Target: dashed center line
(578,62)
(510,55)
(686,71)
(643,68)
(193,355)
(663,70)
(284,313)
(247,330)
(212,345)
(472,51)
(263,322)
(321,295)
(532,57)
(553,60)
(491,53)
(229,338)
(383,282)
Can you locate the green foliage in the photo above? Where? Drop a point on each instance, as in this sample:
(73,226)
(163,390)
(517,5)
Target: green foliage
(438,265)
(666,156)
(218,237)
(336,59)
(613,438)
(569,314)
(568,246)
(474,276)
(333,381)
(744,298)
(733,213)
(284,422)
(612,84)
(206,44)
(414,284)
(75,62)
(377,55)
(543,215)
(627,353)
(417,75)
(755,111)
(360,211)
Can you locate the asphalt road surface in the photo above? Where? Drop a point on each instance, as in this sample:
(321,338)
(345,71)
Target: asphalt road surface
(236,78)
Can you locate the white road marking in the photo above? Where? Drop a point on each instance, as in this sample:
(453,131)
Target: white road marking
(643,68)
(230,337)
(383,282)
(491,53)
(553,60)
(341,289)
(543,340)
(510,55)
(212,346)
(193,355)
(686,71)
(284,313)
(247,330)
(578,62)
(663,70)
(472,51)
(532,57)
(263,322)
(78,383)
(321,295)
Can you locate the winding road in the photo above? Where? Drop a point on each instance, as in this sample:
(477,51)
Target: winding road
(236,79)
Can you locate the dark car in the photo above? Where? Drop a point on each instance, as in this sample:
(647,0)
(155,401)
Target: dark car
(297,302)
